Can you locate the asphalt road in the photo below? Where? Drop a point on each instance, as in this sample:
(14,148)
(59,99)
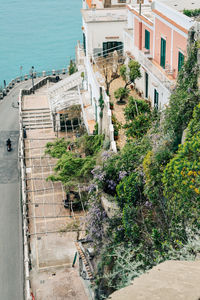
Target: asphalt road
(11,249)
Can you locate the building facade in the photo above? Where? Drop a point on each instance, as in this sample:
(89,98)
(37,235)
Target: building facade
(156,36)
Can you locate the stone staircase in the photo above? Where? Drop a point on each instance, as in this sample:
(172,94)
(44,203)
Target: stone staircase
(38,118)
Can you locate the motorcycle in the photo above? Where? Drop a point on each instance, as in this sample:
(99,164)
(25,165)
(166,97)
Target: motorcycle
(8,143)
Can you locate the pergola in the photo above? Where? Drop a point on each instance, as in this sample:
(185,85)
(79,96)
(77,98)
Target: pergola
(64,94)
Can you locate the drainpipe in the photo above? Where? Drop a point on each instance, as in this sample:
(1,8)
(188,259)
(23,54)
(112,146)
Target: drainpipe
(100,117)
(140,25)
(140,35)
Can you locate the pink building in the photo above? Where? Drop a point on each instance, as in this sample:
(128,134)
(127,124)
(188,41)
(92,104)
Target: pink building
(157,38)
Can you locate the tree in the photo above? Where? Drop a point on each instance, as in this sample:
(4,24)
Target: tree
(138,117)
(72,67)
(121,93)
(109,75)
(129,75)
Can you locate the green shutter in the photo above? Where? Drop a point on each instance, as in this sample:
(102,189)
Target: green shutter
(146,84)
(163,53)
(105,52)
(156,99)
(147,39)
(84,43)
(180,60)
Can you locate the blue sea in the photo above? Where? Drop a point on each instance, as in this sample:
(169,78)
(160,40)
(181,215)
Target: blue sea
(39,33)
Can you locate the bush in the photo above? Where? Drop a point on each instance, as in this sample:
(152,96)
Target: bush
(135,107)
(182,186)
(57,148)
(129,190)
(121,93)
(139,126)
(185,97)
(138,117)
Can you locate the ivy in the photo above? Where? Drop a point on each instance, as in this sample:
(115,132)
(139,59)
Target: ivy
(184,98)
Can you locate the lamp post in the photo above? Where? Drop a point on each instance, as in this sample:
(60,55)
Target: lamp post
(21,67)
(31,75)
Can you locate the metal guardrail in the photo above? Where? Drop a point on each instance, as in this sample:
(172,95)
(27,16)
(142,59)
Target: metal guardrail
(4,91)
(27,285)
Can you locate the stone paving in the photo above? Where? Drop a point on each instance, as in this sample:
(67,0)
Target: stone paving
(52,245)
(118,110)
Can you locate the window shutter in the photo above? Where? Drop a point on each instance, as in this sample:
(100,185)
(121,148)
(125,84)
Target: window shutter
(147,39)
(180,60)
(162,53)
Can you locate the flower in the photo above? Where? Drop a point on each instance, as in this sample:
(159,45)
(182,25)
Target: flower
(111,184)
(122,174)
(105,155)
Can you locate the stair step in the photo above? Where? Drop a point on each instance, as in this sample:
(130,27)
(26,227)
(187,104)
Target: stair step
(34,109)
(38,123)
(36,128)
(37,120)
(36,113)
(35,124)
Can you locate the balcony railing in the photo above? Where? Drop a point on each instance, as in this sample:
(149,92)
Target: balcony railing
(145,59)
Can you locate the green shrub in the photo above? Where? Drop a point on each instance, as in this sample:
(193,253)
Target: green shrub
(121,93)
(135,107)
(57,148)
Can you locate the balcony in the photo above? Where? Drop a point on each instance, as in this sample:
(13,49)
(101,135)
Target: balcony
(146,60)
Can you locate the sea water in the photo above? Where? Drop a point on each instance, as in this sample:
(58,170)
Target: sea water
(39,33)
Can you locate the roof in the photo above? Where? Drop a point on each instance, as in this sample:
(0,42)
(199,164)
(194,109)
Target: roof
(145,10)
(104,15)
(180,5)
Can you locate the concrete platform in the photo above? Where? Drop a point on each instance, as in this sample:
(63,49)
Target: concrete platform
(171,280)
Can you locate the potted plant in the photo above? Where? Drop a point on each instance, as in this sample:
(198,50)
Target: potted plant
(116,134)
(111,105)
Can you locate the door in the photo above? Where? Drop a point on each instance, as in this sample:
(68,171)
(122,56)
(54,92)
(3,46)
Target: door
(156,99)
(163,53)
(146,85)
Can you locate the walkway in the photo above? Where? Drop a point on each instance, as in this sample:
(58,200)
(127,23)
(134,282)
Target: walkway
(52,240)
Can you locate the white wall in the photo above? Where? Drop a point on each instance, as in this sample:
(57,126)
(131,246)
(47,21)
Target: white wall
(97,33)
(154,83)
(173,14)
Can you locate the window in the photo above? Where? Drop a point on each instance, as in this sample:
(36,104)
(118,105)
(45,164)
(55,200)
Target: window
(163,53)
(112,46)
(84,43)
(180,60)
(147,39)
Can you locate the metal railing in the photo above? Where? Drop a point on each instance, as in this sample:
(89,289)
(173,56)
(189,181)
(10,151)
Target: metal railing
(4,91)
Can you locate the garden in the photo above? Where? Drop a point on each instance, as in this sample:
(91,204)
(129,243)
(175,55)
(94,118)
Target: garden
(154,180)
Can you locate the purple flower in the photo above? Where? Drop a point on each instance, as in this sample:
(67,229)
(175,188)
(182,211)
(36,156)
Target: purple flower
(122,174)
(105,155)
(95,219)
(98,174)
(90,188)
(111,185)
(148,204)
